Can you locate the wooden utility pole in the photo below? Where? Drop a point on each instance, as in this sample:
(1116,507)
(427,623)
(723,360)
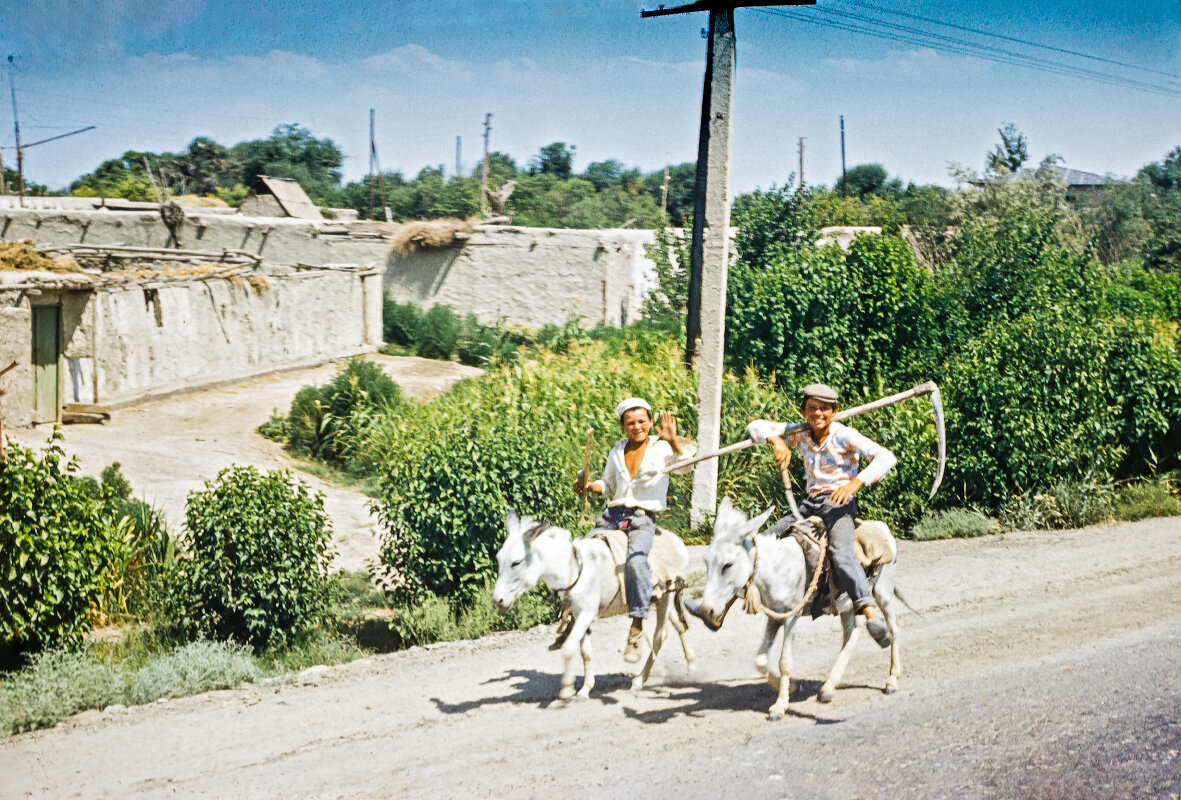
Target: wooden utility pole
(484,169)
(709,252)
(844,185)
(16,127)
(800,182)
(375,169)
(664,196)
(458,156)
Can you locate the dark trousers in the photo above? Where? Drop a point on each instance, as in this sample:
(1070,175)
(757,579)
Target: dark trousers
(640,527)
(841,535)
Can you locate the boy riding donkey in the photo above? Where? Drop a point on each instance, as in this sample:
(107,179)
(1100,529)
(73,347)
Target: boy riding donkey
(636,481)
(832,453)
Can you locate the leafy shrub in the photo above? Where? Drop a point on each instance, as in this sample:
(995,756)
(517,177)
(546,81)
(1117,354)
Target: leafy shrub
(955,523)
(197,667)
(56,542)
(277,428)
(260,549)
(329,422)
(1061,505)
(1144,501)
(438,333)
(436,619)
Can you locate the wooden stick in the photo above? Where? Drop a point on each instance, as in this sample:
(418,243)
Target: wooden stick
(3,455)
(918,391)
(586,456)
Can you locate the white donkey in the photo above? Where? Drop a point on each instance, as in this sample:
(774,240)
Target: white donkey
(738,558)
(591,581)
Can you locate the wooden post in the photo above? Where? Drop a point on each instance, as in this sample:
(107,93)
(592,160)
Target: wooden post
(3,455)
(484,169)
(715,261)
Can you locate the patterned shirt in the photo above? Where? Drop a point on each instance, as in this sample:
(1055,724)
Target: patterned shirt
(836,462)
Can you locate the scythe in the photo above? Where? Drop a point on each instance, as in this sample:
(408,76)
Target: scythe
(928,388)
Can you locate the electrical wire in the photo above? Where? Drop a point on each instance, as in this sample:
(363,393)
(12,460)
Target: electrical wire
(854,23)
(1016,40)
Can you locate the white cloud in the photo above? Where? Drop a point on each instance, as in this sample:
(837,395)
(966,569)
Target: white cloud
(413,60)
(919,64)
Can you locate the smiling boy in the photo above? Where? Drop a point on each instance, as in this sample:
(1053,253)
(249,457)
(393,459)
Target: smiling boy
(635,480)
(832,453)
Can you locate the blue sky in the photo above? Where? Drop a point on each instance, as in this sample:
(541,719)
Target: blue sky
(153,74)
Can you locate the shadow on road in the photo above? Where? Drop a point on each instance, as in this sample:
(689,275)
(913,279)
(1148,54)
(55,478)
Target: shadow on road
(691,698)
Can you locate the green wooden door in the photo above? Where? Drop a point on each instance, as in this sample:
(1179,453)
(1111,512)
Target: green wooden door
(46,352)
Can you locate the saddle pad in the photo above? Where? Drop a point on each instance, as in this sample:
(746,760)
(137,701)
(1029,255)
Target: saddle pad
(874,545)
(665,560)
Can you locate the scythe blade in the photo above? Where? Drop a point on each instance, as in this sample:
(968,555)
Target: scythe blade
(937,407)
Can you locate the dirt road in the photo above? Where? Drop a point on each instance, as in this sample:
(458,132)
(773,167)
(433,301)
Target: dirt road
(1042,665)
(170,447)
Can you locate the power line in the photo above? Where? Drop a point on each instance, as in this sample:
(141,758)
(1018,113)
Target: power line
(918,37)
(953,41)
(1026,42)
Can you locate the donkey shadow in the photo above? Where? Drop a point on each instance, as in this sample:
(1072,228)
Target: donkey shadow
(693,698)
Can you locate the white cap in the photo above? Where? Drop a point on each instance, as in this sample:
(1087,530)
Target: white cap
(630,403)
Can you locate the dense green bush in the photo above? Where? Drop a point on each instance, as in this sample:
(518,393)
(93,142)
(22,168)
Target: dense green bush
(259,550)
(1145,500)
(57,541)
(329,422)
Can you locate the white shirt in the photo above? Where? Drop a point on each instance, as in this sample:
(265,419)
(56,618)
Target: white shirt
(648,488)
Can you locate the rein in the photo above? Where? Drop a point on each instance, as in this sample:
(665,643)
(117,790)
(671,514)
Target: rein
(576,566)
(752,601)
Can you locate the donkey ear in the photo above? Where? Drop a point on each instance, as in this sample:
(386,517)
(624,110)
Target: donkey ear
(759,521)
(511,522)
(536,531)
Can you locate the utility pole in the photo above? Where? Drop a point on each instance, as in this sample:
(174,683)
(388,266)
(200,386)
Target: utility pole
(375,169)
(458,156)
(484,169)
(844,185)
(16,127)
(800,182)
(709,253)
(664,196)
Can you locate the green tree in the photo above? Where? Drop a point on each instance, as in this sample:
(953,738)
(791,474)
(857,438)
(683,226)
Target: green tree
(1011,152)
(555,159)
(869,179)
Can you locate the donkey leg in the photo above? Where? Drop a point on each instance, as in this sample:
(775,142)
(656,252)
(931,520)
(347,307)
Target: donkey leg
(884,592)
(851,631)
(570,650)
(761,659)
(588,672)
(681,628)
(658,634)
(780,707)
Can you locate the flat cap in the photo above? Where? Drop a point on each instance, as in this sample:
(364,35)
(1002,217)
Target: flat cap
(820,391)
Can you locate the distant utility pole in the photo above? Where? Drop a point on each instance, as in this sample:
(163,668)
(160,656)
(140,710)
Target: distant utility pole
(375,169)
(801,180)
(458,156)
(484,169)
(16,127)
(664,195)
(709,254)
(20,149)
(844,186)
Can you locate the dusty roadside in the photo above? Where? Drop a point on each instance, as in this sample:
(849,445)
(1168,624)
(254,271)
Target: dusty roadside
(1031,650)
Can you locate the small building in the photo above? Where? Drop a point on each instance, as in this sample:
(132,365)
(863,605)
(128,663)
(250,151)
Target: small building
(278,197)
(134,327)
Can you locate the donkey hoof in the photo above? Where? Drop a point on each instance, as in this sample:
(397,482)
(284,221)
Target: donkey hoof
(580,698)
(775,716)
(890,688)
(566,693)
(825,696)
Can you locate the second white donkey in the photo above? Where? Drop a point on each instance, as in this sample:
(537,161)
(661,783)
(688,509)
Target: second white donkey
(590,578)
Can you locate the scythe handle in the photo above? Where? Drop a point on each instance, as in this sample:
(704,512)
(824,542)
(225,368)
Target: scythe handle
(918,391)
